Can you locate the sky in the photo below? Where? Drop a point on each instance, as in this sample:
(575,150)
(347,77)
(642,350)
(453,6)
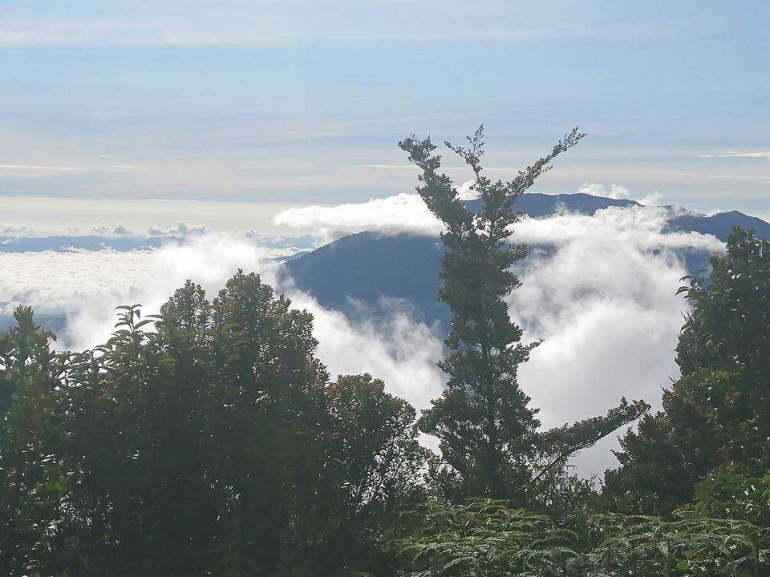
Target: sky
(304,102)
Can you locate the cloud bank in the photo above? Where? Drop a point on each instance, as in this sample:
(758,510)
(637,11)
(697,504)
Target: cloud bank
(406,213)
(639,227)
(599,290)
(617,192)
(400,213)
(604,304)
(87,285)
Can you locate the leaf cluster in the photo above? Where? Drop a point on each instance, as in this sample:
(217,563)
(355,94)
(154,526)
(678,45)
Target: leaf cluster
(487,538)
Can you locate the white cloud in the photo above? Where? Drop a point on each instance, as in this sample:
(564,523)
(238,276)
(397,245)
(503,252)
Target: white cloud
(403,353)
(36,167)
(618,192)
(23,230)
(640,227)
(606,307)
(180,230)
(122,229)
(42,216)
(107,230)
(88,285)
(49,168)
(466,192)
(736,154)
(399,213)
(655,198)
(207,259)
(407,213)
(593,188)
(604,301)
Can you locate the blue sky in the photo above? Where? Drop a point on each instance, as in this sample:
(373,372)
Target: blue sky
(305,101)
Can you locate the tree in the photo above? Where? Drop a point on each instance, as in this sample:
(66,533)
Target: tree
(488,433)
(206,440)
(31,479)
(378,462)
(717,414)
(729,493)
(200,446)
(654,476)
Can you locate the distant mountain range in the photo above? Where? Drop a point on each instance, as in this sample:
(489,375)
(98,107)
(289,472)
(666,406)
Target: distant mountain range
(361,273)
(128,242)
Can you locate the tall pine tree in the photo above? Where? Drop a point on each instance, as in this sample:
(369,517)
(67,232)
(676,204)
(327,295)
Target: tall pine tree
(488,433)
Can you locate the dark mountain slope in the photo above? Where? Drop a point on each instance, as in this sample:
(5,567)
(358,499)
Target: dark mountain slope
(536,204)
(368,266)
(719,224)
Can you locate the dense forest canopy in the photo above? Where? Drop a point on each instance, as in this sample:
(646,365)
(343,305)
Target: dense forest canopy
(210,440)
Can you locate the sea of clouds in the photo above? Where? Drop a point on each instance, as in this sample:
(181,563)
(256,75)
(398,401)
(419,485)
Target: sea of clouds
(603,300)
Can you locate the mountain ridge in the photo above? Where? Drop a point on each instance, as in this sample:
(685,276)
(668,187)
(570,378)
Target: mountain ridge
(353,274)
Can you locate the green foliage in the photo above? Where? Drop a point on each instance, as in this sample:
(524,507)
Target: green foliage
(486,538)
(718,413)
(206,440)
(376,441)
(654,477)
(730,316)
(728,493)
(685,545)
(377,462)
(31,478)
(488,433)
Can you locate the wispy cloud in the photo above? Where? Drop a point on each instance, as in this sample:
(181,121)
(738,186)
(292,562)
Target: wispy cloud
(749,178)
(48,168)
(737,154)
(249,23)
(618,191)
(445,168)
(243,30)
(384,166)
(35,167)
